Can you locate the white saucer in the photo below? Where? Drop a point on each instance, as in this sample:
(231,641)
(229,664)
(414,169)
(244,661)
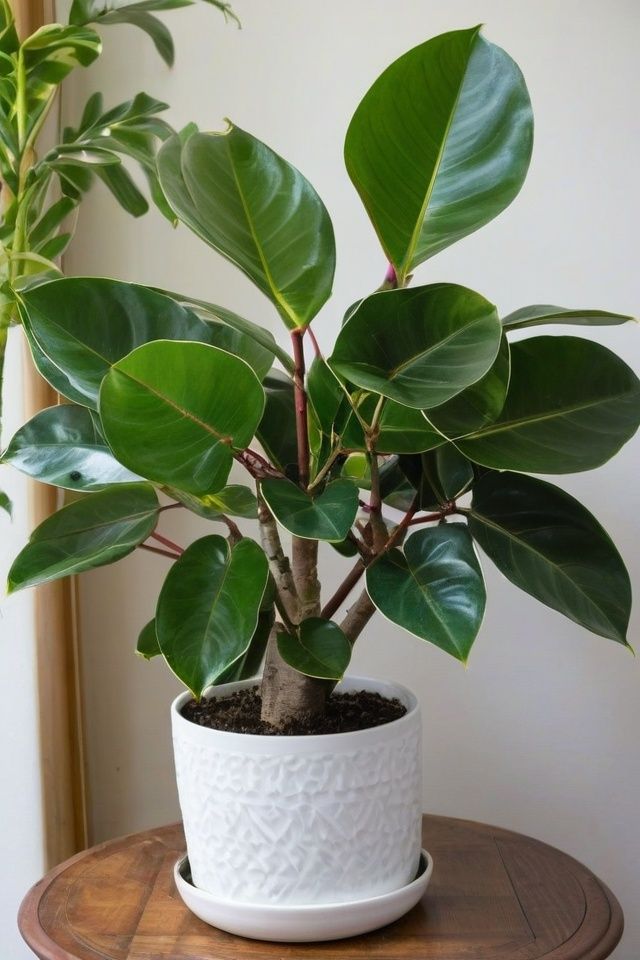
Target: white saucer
(302,923)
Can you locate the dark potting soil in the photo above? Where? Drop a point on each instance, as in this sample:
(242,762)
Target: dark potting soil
(344,712)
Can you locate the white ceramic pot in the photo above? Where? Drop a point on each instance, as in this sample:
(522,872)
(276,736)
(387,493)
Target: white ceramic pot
(302,820)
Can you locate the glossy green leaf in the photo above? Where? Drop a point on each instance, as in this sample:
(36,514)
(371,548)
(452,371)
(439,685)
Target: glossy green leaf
(435,590)
(448,471)
(242,345)
(551,547)
(91,532)
(440,144)
(234,501)
(326,397)
(213,311)
(49,54)
(148,646)
(250,662)
(319,649)
(5,503)
(327,516)
(257,210)
(63,446)
(277,429)
(401,429)
(174,412)
(571,405)
(478,405)
(78,327)
(538,314)
(208,608)
(419,346)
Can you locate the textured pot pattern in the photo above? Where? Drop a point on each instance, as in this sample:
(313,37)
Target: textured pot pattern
(302,820)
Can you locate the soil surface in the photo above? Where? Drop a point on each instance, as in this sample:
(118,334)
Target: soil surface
(344,712)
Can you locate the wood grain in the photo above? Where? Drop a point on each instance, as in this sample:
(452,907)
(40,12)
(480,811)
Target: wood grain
(495,895)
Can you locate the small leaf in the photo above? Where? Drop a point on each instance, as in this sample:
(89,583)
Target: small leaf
(401,429)
(328,516)
(551,547)
(174,412)
(5,503)
(250,662)
(435,590)
(147,645)
(320,649)
(62,446)
(234,501)
(571,405)
(537,314)
(208,609)
(257,210)
(91,532)
(419,346)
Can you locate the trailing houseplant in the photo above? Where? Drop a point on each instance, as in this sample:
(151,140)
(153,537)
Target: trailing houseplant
(42,186)
(414,442)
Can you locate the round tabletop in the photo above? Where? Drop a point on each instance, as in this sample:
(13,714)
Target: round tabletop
(494,894)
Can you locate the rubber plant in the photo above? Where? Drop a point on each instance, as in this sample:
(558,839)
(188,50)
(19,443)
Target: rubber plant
(416,441)
(39,195)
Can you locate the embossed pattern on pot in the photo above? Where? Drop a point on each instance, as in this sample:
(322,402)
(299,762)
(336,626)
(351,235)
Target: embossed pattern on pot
(302,819)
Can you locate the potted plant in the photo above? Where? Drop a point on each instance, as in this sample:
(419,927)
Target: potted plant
(414,442)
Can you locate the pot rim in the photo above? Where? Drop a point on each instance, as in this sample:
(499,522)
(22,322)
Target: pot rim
(390,688)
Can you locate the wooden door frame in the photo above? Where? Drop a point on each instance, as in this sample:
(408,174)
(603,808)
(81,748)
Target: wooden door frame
(64,795)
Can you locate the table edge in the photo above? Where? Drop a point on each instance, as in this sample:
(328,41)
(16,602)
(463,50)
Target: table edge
(45,948)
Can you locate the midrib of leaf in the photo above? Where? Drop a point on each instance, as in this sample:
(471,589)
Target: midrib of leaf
(97,526)
(401,367)
(405,266)
(483,519)
(281,301)
(556,414)
(174,406)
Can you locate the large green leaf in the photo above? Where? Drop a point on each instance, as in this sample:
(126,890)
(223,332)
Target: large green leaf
(208,608)
(91,532)
(440,144)
(478,405)
(319,649)
(174,412)
(327,516)
(551,547)
(435,590)
(79,327)
(571,405)
(258,211)
(542,313)
(420,347)
(62,446)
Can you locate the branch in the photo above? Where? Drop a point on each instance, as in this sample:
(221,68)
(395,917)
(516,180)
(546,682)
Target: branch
(278,561)
(162,553)
(357,617)
(168,543)
(257,465)
(343,591)
(302,427)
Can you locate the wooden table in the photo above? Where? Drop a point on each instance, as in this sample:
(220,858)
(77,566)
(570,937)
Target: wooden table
(494,894)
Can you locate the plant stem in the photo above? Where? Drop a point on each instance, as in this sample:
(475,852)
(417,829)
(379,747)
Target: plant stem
(302,427)
(168,543)
(278,562)
(235,534)
(161,553)
(325,469)
(343,591)
(357,617)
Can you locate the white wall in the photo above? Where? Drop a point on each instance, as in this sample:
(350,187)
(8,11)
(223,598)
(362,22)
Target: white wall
(540,733)
(21,838)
